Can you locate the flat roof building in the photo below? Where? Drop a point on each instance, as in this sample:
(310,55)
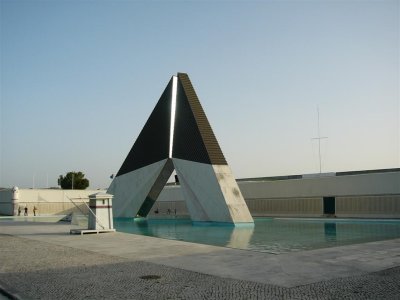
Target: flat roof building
(353,194)
(363,194)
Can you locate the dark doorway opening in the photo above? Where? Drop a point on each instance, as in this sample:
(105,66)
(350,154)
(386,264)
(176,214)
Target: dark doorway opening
(329,206)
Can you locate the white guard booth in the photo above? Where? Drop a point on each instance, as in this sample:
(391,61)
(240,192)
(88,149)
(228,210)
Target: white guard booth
(100,215)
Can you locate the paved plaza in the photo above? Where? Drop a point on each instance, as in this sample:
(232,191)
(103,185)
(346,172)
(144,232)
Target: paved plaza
(42,261)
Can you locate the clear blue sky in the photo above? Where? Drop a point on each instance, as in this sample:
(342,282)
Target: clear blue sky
(80,78)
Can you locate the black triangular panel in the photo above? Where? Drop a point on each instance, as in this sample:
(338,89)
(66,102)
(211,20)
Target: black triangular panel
(152,145)
(194,139)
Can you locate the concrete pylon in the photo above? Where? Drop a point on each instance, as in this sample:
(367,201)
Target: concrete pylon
(178,136)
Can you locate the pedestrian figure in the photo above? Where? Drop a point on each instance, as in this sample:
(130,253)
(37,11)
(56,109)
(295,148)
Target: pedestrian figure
(25,211)
(168,211)
(19,210)
(34,210)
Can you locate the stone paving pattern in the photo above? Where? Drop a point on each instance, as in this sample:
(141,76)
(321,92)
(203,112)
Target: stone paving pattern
(37,270)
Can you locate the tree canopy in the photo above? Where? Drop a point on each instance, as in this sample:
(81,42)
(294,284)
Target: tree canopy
(77,178)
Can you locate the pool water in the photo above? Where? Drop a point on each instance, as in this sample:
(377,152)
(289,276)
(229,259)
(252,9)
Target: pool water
(271,235)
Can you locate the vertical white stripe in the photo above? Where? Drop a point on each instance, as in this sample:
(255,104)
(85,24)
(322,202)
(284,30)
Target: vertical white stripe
(173,108)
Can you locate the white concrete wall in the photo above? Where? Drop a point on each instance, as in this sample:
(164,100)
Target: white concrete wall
(379,206)
(171,193)
(366,195)
(375,195)
(47,201)
(286,207)
(353,185)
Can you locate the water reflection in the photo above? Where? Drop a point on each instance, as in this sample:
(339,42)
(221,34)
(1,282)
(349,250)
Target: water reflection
(330,231)
(143,227)
(240,237)
(272,235)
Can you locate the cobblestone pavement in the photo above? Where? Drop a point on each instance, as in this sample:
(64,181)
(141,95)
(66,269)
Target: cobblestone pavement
(36,270)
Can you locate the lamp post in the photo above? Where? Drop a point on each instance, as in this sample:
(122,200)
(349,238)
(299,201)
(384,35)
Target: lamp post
(319,138)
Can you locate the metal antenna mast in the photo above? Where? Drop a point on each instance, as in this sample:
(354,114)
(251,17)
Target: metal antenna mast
(319,138)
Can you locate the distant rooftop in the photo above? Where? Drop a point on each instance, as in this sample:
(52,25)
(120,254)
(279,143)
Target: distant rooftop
(331,174)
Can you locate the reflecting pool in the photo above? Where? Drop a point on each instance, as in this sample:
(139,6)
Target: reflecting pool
(271,235)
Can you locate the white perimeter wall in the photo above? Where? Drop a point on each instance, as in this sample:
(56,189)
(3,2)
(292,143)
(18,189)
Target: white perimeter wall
(47,201)
(365,195)
(352,185)
(375,195)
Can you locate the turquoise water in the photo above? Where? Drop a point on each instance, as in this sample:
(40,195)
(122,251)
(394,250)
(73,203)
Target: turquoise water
(271,235)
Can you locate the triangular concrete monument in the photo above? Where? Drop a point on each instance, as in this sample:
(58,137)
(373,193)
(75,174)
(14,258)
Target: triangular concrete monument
(178,136)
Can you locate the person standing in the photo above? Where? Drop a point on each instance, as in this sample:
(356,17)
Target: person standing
(26,211)
(34,210)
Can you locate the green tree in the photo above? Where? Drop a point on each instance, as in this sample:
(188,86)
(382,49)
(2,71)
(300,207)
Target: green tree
(77,178)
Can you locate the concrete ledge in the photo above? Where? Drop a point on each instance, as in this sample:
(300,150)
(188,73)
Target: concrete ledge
(89,231)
